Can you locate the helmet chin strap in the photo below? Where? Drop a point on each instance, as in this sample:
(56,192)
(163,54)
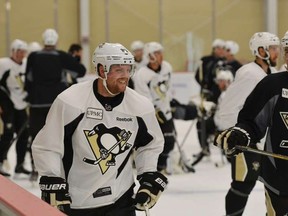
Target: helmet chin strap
(105,85)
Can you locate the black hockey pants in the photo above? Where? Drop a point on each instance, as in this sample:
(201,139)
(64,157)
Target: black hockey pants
(14,121)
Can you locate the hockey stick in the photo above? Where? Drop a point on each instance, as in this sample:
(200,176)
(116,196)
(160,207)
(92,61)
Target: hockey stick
(261,152)
(183,159)
(124,137)
(187,133)
(147,212)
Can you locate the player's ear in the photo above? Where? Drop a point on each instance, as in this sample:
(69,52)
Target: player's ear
(262,52)
(100,70)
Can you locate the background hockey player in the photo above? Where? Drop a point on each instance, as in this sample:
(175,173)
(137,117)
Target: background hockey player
(245,167)
(95,125)
(13,106)
(137,49)
(154,82)
(45,78)
(223,79)
(265,108)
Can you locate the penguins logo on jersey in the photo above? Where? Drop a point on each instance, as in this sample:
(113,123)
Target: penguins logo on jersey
(161,89)
(106,144)
(284,116)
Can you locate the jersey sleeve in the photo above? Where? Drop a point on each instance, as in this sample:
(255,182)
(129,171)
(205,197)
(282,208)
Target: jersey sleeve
(149,143)
(257,111)
(48,145)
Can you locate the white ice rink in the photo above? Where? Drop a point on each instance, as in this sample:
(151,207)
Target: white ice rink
(190,194)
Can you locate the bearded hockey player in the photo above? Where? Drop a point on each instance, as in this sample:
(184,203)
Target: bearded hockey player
(246,166)
(154,82)
(265,109)
(83,151)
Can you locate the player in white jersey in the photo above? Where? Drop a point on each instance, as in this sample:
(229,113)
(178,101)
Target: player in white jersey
(154,82)
(87,140)
(137,49)
(245,168)
(13,105)
(285,55)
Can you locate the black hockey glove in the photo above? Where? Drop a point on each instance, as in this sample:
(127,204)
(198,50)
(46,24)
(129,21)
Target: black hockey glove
(228,139)
(152,184)
(55,192)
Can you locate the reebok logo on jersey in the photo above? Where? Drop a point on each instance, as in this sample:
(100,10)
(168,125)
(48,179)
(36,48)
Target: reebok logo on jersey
(284,93)
(94,113)
(124,119)
(284,116)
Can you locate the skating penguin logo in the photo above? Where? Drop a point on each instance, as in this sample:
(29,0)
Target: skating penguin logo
(106,144)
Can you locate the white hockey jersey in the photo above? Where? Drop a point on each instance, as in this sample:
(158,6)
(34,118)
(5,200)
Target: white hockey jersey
(156,86)
(11,81)
(245,81)
(88,142)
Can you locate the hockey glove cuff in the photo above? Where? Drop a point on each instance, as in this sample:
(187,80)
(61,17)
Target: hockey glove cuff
(228,139)
(55,192)
(152,184)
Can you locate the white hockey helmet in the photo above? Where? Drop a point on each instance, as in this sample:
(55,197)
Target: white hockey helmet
(50,37)
(224,74)
(284,40)
(34,46)
(18,45)
(218,43)
(152,47)
(137,45)
(232,46)
(108,54)
(262,39)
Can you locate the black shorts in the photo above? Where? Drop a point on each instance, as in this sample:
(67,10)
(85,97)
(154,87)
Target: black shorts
(124,206)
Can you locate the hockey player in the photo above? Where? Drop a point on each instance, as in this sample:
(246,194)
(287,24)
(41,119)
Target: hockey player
(265,110)
(87,140)
(137,49)
(154,82)
(206,73)
(13,105)
(224,78)
(46,78)
(285,56)
(232,48)
(246,167)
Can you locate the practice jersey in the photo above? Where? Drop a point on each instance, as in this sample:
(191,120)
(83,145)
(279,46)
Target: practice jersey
(156,86)
(245,81)
(11,82)
(267,107)
(93,137)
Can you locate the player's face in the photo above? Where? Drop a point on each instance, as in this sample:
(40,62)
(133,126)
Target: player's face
(118,78)
(274,53)
(18,55)
(158,57)
(286,55)
(138,54)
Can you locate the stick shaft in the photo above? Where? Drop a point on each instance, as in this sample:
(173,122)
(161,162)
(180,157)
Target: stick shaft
(257,151)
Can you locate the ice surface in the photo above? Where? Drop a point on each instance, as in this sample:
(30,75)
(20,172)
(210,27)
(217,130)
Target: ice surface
(188,194)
